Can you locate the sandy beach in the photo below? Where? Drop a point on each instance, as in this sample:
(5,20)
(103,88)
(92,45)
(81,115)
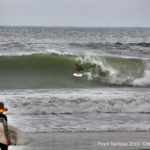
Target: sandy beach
(88,141)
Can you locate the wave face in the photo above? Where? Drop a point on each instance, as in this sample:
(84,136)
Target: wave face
(55,71)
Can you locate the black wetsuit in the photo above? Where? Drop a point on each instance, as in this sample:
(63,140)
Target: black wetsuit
(3,146)
(79,69)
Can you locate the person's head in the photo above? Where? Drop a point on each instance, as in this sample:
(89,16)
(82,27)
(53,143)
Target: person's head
(77,65)
(2,107)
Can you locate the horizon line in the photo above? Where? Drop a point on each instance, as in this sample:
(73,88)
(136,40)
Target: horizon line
(65,26)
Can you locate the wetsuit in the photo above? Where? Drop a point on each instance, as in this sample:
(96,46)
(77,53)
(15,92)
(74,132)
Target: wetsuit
(3,119)
(79,69)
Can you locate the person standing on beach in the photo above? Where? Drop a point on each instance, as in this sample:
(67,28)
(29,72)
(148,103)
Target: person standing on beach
(3,119)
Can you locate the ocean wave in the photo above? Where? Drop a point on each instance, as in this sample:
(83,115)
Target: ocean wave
(98,109)
(110,45)
(55,71)
(77,102)
(36,46)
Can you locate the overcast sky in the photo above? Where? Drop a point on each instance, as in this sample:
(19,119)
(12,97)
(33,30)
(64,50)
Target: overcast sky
(75,12)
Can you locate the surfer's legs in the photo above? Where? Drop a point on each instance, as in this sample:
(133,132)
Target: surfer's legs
(3,147)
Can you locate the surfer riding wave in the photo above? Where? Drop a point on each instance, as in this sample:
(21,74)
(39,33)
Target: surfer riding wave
(78,69)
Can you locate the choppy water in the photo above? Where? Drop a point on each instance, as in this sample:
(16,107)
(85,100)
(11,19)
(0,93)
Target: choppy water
(36,82)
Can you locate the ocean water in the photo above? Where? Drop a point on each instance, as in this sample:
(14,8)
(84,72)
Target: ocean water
(36,82)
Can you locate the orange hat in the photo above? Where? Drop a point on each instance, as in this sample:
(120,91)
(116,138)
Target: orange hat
(2,107)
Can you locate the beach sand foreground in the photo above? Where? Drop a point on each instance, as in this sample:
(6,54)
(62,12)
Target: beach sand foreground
(88,141)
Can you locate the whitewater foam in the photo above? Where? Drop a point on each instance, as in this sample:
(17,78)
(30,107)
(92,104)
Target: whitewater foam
(145,81)
(109,109)
(44,102)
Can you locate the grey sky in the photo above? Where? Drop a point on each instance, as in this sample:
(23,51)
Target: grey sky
(75,12)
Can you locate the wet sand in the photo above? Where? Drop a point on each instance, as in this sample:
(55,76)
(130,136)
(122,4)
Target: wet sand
(88,141)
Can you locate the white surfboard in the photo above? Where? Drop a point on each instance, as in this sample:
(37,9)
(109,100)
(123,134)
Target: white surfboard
(77,74)
(17,136)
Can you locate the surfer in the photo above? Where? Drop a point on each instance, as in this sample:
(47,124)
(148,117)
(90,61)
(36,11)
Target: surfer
(3,120)
(78,68)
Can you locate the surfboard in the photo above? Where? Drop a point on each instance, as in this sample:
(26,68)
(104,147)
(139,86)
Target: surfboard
(77,74)
(17,136)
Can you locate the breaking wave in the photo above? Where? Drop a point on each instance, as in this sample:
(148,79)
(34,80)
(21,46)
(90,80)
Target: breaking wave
(55,71)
